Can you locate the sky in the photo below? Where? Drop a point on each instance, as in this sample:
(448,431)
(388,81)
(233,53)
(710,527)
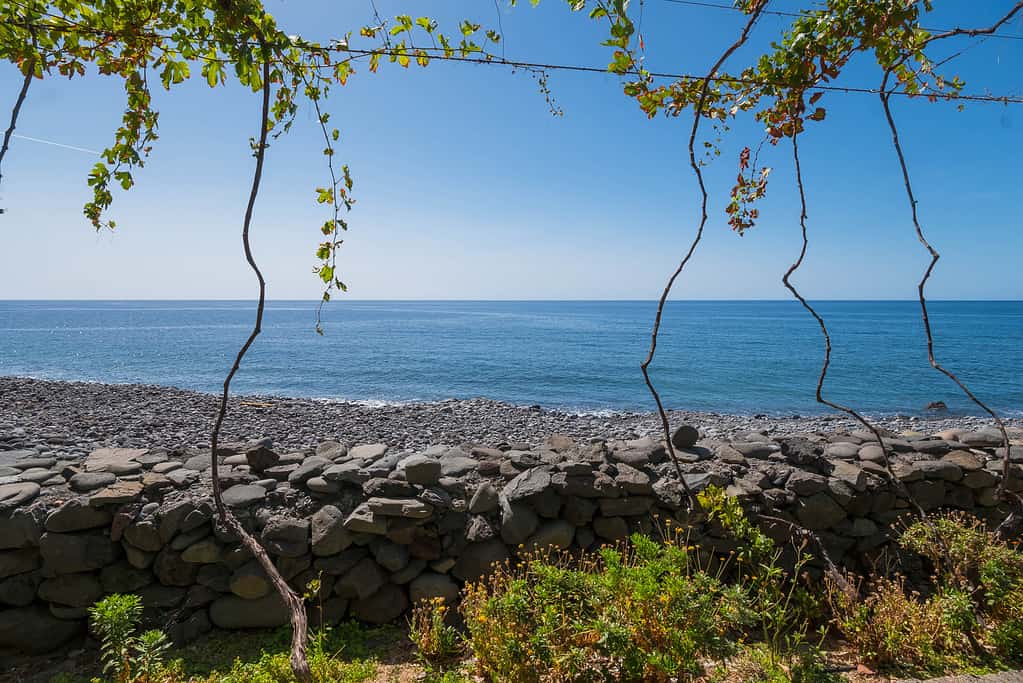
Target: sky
(468,188)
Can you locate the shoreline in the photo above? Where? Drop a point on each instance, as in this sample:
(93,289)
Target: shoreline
(81,415)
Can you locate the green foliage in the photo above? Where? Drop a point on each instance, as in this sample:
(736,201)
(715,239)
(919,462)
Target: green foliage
(969,614)
(649,611)
(437,643)
(114,619)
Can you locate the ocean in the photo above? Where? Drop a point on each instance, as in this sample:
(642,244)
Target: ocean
(742,357)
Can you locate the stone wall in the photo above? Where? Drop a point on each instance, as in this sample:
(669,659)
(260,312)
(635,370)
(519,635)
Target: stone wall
(385,528)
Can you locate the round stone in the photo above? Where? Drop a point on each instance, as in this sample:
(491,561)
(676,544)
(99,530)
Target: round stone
(685,436)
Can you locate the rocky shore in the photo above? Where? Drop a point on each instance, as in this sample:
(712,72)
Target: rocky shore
(107,489)
(73,418)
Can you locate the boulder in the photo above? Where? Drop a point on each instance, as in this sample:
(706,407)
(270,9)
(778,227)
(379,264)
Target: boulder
(233,612)
(71,553)
(18,561)
(76,515)
(421,469)
(384,606)
(685,436)
(477,559)
(329,535)
(286,536)
(429,585)
(73,590)
(33,630)
(19,493)
(244,495)
(819,512)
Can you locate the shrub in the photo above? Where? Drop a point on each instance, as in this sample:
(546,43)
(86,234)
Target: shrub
(436,642)
(642,613)
(114,619)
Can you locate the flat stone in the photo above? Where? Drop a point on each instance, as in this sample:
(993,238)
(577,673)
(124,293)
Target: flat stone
(850,474)
(364,520)
(115,460)
(400,507)
(244,495)
(457,465)
(76,515)
(842,450)
(370,451)
(36,474)
(311,467)
(945,470)
(198,463)
(351,472)
(530,483)
(165,467)
(756,449)
(118,494)
(805,483)
(12,495)
(421,469)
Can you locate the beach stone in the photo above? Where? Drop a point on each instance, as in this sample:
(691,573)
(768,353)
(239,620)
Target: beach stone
(849,474)
(430,585)
(981,439)
(172,570)
(361,581)
(421,469)
(19,529)
(384,606)
(122,577)
(819,512)
(517,522)
(233,612)
(331,450)
(842,450)
(455,463)
(757,450)
(261,457)
(118,493)
(311,467)
(73,590)
(351,472)
(685,436)
(33,630)
(206,551)
(364,520)
(19,590)
(144,535)
(329,536)
(805,483)
(249,581)
(484,500)
(13,495)
(370,451)
(939,469)
(929,493)
(871,452)
(408,508)
(115,460)
(964,460)
(85,482)
(36,475)
(979,479)
(554,534)
(532,482)
(76,515)
(477,559)
(611,528)
(286,536)
(244,495)
(18,561)
(72,553)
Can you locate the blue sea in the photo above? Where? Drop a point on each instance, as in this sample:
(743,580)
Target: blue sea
(741,357)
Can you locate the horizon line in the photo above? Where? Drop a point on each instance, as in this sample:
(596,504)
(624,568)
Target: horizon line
(536,300)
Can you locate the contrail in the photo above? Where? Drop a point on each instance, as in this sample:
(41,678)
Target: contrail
(56,144)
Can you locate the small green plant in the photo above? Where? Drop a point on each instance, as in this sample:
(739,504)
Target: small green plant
(436,642)
(114,619)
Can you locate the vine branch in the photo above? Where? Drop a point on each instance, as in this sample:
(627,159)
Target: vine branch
(697,116)
(296,609)
(935,256)
(22,94)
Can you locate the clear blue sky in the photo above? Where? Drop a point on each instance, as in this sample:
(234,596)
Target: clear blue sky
(468,188)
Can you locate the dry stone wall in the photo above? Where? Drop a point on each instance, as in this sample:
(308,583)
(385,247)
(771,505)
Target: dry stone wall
(384,528)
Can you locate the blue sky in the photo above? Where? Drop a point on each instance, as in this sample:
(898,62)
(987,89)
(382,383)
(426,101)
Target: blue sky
(468,188)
